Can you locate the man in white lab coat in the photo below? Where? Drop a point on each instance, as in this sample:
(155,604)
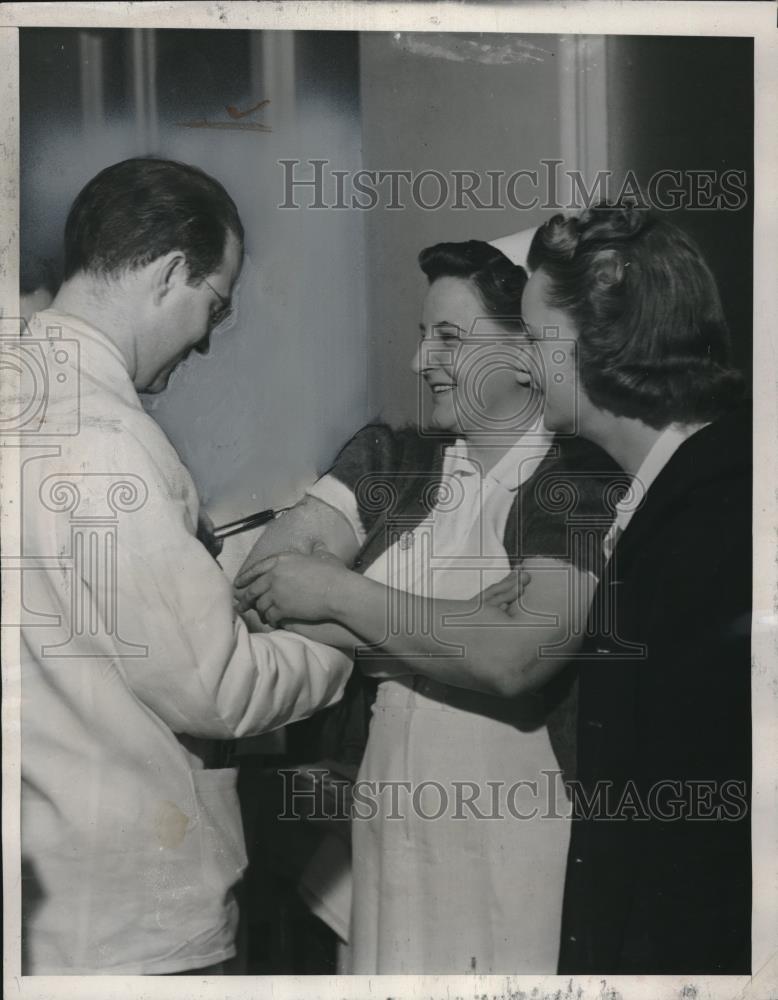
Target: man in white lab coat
(131,846)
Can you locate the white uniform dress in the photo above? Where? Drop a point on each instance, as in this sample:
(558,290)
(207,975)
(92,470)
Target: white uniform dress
(462,892)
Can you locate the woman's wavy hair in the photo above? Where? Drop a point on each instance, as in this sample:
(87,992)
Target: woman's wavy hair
(653,343)
(500,283)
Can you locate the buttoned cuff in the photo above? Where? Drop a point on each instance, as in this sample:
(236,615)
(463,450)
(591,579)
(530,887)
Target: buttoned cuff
(336,494)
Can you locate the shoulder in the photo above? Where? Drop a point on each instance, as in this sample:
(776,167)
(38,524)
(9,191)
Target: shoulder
(577,478)
(691,572)
(564,509)
(702,498)
(129,444)
(707,526)
(379,448)
(576,454)
(691,541)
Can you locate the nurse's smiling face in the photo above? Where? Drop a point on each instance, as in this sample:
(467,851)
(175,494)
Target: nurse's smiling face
(475,366)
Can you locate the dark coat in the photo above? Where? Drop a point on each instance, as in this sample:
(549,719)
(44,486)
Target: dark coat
(665,697)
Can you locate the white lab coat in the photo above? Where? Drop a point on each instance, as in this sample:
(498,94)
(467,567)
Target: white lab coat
(130,847)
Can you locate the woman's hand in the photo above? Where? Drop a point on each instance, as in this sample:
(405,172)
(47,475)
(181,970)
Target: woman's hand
(291,585)
(505,593)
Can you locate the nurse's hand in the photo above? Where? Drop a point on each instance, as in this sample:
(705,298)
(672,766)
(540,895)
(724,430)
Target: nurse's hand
(505,593)
(291,585)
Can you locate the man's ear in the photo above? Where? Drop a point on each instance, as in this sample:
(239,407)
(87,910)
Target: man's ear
(169,271)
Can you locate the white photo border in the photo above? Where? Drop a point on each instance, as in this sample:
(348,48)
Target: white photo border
(601,17)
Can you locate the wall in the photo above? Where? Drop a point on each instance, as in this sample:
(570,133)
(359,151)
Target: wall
(266,410)
(687,104)
(258,417)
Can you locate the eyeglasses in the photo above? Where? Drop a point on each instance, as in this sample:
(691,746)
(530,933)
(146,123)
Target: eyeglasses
(223,313)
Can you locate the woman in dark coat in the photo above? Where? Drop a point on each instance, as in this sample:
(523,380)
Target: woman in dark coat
(659,873)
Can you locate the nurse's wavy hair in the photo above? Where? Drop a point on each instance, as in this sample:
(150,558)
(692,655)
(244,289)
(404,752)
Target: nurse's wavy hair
(135,211)
(499,283)
(653,343)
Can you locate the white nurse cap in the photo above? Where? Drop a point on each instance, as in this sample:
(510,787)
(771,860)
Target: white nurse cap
(516,246)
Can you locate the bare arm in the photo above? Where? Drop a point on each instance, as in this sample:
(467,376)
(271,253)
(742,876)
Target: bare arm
(310,526)
(484,647)
(348,642)
(491,650)
(310,529)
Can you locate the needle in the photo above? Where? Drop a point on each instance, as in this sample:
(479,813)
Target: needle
(247,523)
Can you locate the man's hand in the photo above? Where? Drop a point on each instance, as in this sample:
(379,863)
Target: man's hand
(205,529)
(505,593)
(291,585)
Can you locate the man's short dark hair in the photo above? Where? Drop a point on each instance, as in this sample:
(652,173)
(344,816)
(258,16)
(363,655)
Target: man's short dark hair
(135,211)
(500,283)
(653,343)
